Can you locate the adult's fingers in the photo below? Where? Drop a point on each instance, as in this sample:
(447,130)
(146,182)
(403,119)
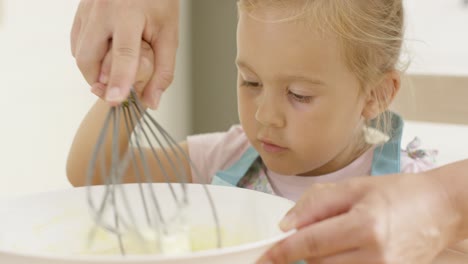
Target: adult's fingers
(125,60)
(106,69)
(165,48)
(145,68)
(320,202)
(91,50)
(93,42)
(99,90)
(329,237)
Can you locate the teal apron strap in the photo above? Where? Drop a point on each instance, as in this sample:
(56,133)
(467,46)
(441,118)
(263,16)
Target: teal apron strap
(237,171)
(387,157)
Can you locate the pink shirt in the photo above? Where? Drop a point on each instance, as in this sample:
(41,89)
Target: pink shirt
(214,152)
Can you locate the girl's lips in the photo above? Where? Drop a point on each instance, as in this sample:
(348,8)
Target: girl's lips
(271,148)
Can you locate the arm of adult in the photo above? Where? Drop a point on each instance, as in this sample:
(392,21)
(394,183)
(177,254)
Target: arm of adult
(403,218)
(125,24)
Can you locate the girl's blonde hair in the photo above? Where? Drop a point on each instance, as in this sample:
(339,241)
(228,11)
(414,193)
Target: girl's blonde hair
(370,34)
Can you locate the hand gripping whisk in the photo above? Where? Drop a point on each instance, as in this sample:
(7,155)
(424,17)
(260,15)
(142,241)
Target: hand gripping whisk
(149,153)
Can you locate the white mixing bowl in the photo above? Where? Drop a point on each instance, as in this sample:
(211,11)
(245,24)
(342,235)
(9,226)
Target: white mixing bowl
(52,228)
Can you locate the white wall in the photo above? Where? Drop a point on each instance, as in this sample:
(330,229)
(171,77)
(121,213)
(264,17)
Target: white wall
(437,36)
(44,96)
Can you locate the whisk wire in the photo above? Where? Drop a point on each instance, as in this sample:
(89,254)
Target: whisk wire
(142,132)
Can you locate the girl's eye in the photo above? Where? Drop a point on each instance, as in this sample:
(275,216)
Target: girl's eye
(300,98)
(250,84)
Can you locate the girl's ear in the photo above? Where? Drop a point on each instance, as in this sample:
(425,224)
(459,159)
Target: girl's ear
(381,96)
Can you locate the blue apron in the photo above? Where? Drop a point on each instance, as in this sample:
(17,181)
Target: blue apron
(386,160)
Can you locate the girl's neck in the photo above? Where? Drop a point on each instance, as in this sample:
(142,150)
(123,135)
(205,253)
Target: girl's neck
(343,159)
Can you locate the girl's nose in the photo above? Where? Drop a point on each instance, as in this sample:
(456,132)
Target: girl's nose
(269,112)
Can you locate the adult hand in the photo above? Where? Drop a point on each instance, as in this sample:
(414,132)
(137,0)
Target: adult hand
(143,76)
(395,219)
(126,23)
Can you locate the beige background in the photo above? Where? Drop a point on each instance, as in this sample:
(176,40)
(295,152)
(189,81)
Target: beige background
(214,72)
(434,98)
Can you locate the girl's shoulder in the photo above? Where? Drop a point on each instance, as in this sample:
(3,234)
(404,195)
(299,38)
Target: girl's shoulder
(212,152)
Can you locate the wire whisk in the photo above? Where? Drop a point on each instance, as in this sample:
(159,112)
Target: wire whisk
(133,142)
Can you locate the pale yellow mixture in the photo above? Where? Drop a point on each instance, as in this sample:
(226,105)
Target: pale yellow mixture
(191,240)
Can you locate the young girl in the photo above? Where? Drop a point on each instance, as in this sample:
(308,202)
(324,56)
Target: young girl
(315,81)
